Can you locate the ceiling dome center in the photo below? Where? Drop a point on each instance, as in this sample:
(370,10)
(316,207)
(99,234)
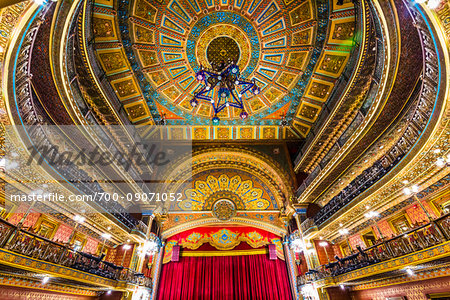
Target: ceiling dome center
(221,50)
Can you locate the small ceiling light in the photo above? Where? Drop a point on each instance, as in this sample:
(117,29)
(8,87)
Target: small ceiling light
(126,247)
(432,4)
(108,293)
(367,207)
(343,231)
(415,188)
(342,286)
(79,218)
(340,225)
(440,162)
(323,244)
(409,271)
(371,214)
(45,279)
(437,151)
(407,191)
(106,236)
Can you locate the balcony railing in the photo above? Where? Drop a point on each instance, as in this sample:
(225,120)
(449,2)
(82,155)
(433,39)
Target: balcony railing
(420,238)
(20,241)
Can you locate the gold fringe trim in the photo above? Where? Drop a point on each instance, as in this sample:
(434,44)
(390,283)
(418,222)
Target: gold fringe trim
(223,253)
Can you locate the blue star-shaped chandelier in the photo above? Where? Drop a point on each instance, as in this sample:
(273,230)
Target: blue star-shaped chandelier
(231,87)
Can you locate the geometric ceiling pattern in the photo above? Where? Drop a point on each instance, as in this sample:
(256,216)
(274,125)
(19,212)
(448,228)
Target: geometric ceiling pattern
(294,50)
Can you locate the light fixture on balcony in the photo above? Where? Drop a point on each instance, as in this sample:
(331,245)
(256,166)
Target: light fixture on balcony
(409,272)
(372,214)
(125,247)
(412,191)
(343,231)
(442,162)
(151,246)
(45,279)
(324,244)
(105,236)
(79,219)
(229,89)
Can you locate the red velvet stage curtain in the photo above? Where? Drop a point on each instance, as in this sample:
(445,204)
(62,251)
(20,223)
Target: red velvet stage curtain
(246,277)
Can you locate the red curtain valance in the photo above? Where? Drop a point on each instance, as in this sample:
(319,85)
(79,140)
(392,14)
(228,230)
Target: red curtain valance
(222,238)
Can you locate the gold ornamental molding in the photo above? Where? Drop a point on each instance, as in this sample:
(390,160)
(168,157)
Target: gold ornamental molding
(440,271)
(216,222)
(421,168)
(24,282)
(401,262)
(380,99)
(26,263)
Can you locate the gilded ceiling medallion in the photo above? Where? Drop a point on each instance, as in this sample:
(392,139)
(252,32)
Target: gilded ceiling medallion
(224,209)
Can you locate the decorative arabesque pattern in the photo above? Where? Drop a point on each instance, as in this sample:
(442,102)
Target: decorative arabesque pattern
(242,192)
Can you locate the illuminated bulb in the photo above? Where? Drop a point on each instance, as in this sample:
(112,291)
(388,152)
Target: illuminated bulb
(437,151)
(440,162)
(432,4)
(409,271)
(323,244)
(415,188)
(194,102)
(106,236)
(126,247)
(407,191)
(343,231)
(79,219)
(371,214)
(342,286)
(45,280)
(11,165)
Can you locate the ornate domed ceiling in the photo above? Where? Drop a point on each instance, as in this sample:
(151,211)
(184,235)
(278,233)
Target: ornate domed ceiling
(294,50)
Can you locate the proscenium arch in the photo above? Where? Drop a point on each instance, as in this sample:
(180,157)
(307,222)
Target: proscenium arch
(253,162)
(216,222)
